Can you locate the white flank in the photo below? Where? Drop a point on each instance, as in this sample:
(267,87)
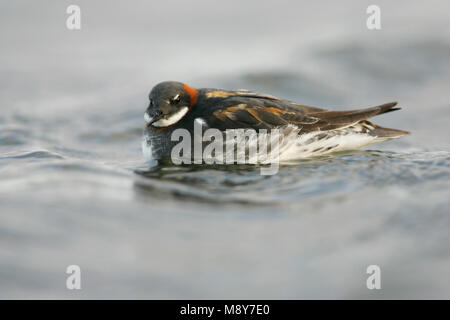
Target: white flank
(291,146)
(174,118)
(324,142)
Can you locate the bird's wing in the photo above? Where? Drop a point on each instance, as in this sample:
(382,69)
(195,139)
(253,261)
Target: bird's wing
(257,113)
(331,120)
(245,109)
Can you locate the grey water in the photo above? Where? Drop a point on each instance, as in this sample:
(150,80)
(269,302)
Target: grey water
(75,188)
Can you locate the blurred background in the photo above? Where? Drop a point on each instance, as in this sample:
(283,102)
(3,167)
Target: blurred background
(74,187)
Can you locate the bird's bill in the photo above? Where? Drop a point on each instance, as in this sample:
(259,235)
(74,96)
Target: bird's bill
(166,120)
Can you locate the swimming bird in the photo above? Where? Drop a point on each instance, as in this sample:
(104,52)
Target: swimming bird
(318,131)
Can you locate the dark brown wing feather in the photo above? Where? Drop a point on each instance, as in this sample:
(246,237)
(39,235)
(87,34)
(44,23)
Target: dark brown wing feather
(246,109)
(257,117)
(330,120)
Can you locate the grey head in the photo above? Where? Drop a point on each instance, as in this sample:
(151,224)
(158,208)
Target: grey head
(170,101)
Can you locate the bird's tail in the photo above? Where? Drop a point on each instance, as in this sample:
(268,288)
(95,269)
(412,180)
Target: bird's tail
(382,133)
(332,120)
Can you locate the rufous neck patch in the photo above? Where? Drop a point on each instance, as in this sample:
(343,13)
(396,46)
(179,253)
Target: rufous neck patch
(192,93)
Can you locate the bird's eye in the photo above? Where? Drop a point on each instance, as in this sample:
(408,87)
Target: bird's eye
(175,99)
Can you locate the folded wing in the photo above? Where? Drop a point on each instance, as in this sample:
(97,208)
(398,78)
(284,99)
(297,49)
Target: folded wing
(246,109)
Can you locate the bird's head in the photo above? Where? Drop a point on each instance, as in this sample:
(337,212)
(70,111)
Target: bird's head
(170,101)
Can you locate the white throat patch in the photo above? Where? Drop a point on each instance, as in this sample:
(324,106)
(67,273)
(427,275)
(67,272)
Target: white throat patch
(174,118)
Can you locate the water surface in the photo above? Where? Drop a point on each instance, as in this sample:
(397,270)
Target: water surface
(75,188)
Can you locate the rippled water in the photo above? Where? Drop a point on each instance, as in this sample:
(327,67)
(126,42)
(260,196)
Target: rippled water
(74,187)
